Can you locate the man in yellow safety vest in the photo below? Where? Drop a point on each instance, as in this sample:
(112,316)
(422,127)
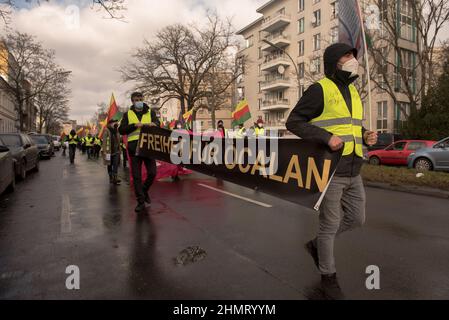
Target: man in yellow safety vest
(139,115)
(331,112)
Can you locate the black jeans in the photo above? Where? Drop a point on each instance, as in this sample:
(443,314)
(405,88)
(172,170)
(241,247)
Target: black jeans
(113,167)
(72,150)
(136,168)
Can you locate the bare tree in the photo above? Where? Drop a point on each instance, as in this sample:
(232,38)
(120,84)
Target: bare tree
(403,48)
(179,62)
(27,62)
(52,103)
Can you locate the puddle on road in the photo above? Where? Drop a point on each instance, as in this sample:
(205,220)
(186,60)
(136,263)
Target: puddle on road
(189,255)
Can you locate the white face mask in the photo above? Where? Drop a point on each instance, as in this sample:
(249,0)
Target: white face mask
(351,66)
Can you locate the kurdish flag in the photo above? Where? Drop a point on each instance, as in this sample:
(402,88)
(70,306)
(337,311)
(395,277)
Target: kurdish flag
(112,111)
(241,113)
(188,115)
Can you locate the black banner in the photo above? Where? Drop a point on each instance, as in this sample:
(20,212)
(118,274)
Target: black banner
(292,169)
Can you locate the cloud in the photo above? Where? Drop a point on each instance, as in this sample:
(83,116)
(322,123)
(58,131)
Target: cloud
(93,47)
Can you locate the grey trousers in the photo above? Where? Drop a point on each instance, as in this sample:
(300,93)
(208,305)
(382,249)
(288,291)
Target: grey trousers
(342,209)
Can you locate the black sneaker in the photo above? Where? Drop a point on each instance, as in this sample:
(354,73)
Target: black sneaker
(330,287)
(313,251)
(140,207)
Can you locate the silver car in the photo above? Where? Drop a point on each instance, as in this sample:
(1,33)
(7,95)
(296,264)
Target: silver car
(434,158)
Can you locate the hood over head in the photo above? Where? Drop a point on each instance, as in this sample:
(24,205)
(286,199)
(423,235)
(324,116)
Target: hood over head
(332,54)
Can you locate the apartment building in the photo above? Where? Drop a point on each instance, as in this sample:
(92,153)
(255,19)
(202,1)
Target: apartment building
(284,50)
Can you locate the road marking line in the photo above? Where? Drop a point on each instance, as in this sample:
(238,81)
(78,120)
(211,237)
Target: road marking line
(66,223)
(237,196)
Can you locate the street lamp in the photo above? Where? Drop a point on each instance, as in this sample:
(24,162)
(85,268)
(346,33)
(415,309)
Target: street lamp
(293,61)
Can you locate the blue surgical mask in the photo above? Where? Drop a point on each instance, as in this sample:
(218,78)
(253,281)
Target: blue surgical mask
(138,105)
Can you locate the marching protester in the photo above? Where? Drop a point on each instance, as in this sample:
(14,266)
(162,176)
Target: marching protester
(89,140)
(241,133)
(331,112)
(110,149)
(259,129)
(97,146)
(72,139)
(139,115)
(221,129)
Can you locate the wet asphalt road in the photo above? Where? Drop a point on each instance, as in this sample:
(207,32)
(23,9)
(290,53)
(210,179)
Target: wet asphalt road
(70,215)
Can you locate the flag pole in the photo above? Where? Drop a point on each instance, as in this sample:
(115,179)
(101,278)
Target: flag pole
(368,73)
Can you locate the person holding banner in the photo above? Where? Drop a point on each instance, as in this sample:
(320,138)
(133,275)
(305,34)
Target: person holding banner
(139,115)
(331,112)
(110,149)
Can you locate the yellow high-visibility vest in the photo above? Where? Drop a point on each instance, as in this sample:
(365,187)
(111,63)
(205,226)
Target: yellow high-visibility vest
(72,139)
(132,119)
(260,131)
(90,141)
(337,119)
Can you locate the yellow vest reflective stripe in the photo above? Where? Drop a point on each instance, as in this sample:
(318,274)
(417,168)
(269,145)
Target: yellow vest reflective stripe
(240,133)
(132,119)
(337,119)
(72,139)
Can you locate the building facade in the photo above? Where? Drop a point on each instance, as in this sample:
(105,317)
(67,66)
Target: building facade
(8,112)
(284,49)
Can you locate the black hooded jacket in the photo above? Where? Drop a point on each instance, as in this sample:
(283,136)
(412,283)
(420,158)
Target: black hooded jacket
(311,105)
(126,128)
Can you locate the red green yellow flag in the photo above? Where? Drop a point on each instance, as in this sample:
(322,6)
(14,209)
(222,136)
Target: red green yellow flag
(188,115)
(241,114)
(113,109)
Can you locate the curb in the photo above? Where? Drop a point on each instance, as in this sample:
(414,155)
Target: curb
(422,191)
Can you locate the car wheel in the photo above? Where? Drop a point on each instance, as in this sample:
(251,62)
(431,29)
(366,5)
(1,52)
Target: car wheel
(423,164)
(375,161)
(12,185)
(23,170)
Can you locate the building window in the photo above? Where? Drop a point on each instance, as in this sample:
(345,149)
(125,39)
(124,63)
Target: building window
(317,18)
(301,25)
(301,48)
(334,10)
(317,42)
(260,53)
(334,35)
(315,66)
(405,69)
(301,70)
(316,1)
(301,5)
(399,117)
(382,116)
(407,23)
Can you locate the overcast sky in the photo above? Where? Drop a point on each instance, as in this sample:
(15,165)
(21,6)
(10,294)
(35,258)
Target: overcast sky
(95,49)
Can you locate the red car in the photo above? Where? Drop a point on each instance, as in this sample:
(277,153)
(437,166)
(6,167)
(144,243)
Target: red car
(398,152)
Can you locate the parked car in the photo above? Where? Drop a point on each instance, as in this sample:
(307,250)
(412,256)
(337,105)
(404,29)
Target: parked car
(435,157)
(56,143)
(398,152)
(23,150)
(49,139)
(384,140)
(7,175)
(44,145)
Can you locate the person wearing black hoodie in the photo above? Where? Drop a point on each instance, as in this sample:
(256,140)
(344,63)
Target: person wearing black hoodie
(335,100)
(139,115)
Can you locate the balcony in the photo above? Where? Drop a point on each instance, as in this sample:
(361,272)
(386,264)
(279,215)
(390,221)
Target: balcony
(275,83)
(275,125)
(275,22)
(272,105)
(279,40)
(273,61)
